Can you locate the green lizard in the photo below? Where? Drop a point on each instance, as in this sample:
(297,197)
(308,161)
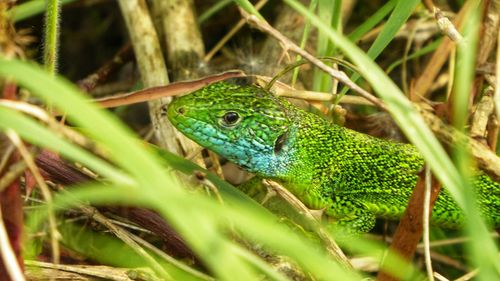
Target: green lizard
(352,176)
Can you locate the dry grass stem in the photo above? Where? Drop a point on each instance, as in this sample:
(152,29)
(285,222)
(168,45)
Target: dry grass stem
(8,255)
(126,238)
(290,46)
(314,217)
(15,171)
(230,34)
(28,159)
(425,224)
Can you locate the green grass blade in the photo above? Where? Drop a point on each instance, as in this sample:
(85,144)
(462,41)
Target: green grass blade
(401,109)
(30,8)
(39,135)
(303,41)
(51,36)
(101,125)
(482,247)
(372,21)
(417,132)
(217,7)
(425,50)
(329,13)
(250,222)
(398,17)
(189,213)
(247,6)
(415,129)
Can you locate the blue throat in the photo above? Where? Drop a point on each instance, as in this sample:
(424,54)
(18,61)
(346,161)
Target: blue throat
(250,154)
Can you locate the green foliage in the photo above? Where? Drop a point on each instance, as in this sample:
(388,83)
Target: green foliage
(328,12)
(135,174)
(397,19)
(217,7)
(484,251)
(303,41)
(425,50)
(372,21)
(31,8)
(419,134)
(148,184)
(51,38)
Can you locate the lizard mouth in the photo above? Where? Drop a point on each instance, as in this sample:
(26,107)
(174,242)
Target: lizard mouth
(194,128)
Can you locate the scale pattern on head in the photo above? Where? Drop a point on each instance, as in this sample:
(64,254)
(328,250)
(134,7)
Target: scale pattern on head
(241,122)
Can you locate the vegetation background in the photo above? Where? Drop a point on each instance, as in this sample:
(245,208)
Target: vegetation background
(84,198)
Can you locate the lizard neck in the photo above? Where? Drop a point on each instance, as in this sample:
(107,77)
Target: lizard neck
(334,161)
(278,160)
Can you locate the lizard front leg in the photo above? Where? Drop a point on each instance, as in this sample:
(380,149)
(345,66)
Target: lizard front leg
(347,217)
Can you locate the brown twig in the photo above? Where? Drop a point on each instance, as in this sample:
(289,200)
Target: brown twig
(284,90)
(493,131)
(489,32)
(60,172)
(152,67)
(409,231)
(6,154)
(452,241)
(438,59)
(488,37)
(123,55)
(12,224)
(230,34)
(169,90)
(79,272)
(481,117)
(429,5)
(497,84)
(446,26)
(13,173)
(288,45)
(28,159)
(486,159)
(202,179)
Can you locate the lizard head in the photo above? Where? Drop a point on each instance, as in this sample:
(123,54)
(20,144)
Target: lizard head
(243,123)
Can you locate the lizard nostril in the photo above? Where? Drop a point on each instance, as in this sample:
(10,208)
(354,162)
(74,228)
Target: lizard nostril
(181,110)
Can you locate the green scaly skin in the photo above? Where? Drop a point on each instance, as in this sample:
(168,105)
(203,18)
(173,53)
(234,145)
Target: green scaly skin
(354,177)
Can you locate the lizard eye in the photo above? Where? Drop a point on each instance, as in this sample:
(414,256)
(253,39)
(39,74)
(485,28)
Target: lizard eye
(280,142)
(231,118)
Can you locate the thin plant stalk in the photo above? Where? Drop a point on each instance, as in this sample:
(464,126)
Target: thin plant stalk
(54,234)
(427,211)
(303,41)
(217,7)
(497,87)
(482,249)
(51,39)
(8,256)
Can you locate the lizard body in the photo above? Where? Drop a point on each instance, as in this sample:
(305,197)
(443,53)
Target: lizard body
(353,176)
